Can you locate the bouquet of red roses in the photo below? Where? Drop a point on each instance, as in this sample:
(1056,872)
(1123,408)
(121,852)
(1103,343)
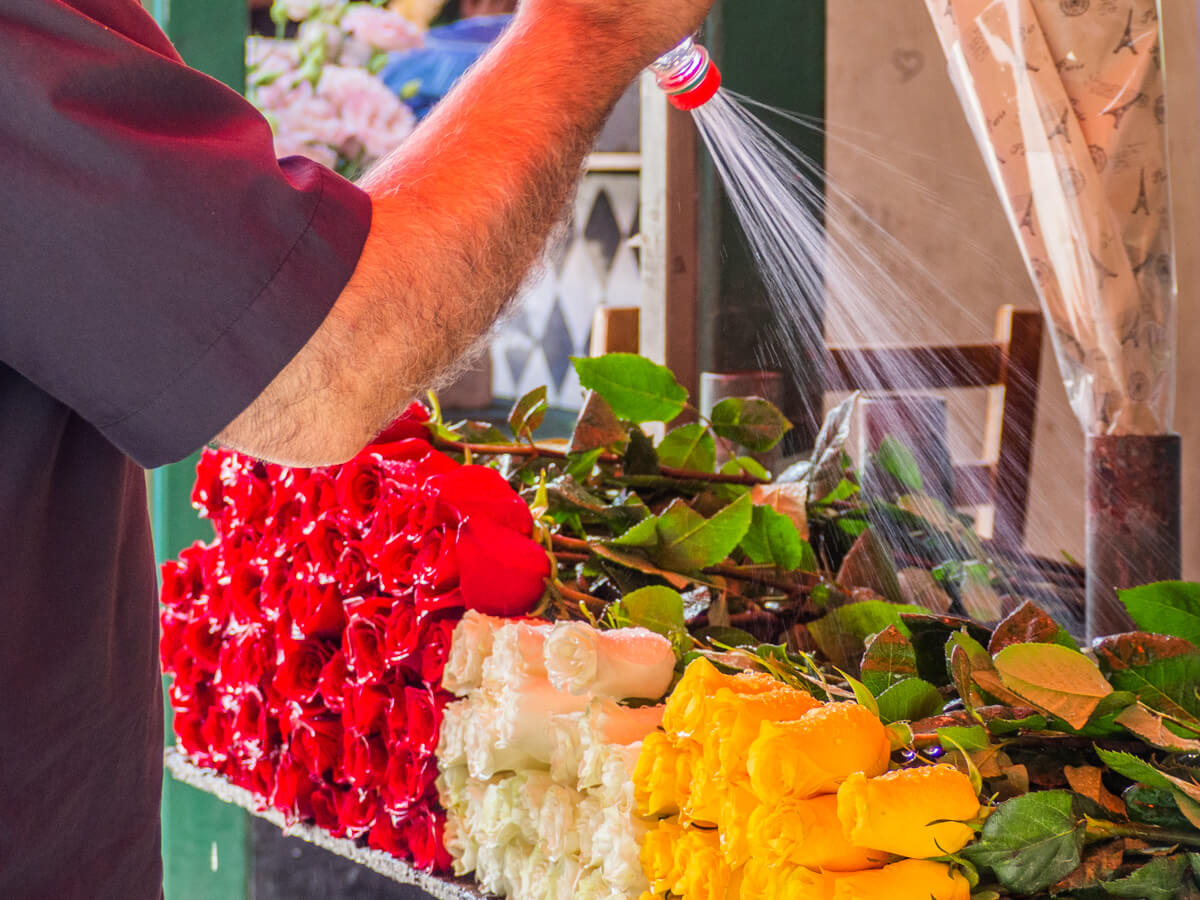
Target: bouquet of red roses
(307,641)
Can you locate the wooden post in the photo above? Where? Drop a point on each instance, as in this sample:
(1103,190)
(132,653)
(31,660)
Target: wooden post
(204,840)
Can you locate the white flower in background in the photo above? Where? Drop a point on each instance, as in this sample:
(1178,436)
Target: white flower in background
(381,28)
(556,823)
(485,754)
(452,739)
(461,846)
(469,647)
(564,876)
(607,723)
(566,747)
(516,655)
(299,10)
(523,715)
(269,59)
(374,118)
(617,846)
(451,786)
(624,662)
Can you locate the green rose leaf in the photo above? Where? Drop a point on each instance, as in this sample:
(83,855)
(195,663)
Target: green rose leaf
(597,426)
(751,422)
(1032,841)
(1028,624)
(1054,679)
(1159,879)
(897,460)
(657,608)
(909,700)
(637,389)
(774,539)
(640,456)
(888,659)
(580,465)
(968,738)
(528,412)
(841,632)
(1139,719)
(1166,607)
(687,541)
(1168,686)
(822,471)
(1153,806)
(688,447)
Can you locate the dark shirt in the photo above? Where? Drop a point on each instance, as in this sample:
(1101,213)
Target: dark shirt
(158,267)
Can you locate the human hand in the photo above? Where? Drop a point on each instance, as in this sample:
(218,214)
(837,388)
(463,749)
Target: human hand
(641,30)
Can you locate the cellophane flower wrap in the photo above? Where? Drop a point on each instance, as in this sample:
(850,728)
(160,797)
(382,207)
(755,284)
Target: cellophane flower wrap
(307,642)
(537,758)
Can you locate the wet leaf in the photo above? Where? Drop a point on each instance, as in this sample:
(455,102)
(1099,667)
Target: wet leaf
(1028,624)
(1053,678)
(659,609)
(1031,842)
(840,633)
(909,700)
(480,433)
(597,426)
(772,538)
(528,412)
(968,738)
(1166,607)
(580,465)
(637,389)
(688,447)
(1150,726)
(1088,781)
(1099,862)
(1160,879)
(1168,686)
(929,633)
(751,422)
(869,564)
(898,461)
(1153,806)
(729,637)
(1139,648)
(888,659)
(640,564)
(822,471)
(790,500)
(640,456)
(687,541)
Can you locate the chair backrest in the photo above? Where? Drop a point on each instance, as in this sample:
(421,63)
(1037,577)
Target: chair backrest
(615,329)
(1009,365)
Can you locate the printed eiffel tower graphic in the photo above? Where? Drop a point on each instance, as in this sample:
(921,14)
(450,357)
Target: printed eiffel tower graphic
(1102,271)
(1027,219)
(1143,200)
(1127,38)
(1061,129)
(1118,112)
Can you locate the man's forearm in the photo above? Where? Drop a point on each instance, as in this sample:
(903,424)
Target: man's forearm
(461,212)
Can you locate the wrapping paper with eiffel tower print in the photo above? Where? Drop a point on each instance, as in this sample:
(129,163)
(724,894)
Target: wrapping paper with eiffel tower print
(1066,100)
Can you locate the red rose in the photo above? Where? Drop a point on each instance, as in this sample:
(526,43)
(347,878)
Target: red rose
(202,639)
(294,788)
(351,570)
(171,626)
(357,810)
(436,566)
(325,539)
(318,494)
(316,743)
(393,561)
(366,707)
(187,724)
(208,492)
(215,732)
(248,497)
(332,682)
(364,644)
(299,674)
(421,832)
(433,649)
(325,809)
(191,690)
(429,601)
(410,776)
(253,732)
(422,719)
(366,761)
(243,591)
(182,582)
(259,779)
(385,835)
(248,656)
(316,609)
(409,424)
(501,573)
(400,632)
(477,491)
(276,587)
(359,485)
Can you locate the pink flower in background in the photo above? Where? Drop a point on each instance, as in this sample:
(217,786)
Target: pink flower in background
(381,28)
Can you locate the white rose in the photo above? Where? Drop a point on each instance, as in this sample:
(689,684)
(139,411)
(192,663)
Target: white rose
(523,717)
(557,823)
(534,786)
(463,848)
(452,739)
(589,816)
(489,868)
(564,876)
(534,876)
(451,786)
(486,755)
(566,749)
(516,856)
(618,842)
(470,645)
(625,662)
(592,886)
(616,775)
(609,723)
(381,28)
(516,655)
(502,817)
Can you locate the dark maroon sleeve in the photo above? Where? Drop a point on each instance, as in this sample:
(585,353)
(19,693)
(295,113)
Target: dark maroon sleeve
(158,265)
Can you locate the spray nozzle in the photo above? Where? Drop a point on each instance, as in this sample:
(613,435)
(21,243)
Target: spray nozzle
(687,75)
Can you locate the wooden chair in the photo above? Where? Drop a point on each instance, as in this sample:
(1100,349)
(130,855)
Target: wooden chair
(615,329)
(1010,366)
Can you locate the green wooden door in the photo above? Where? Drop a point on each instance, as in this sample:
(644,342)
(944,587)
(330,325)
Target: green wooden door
(205,849)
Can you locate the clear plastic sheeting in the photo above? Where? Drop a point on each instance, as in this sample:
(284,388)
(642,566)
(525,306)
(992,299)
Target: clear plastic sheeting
(1067,102)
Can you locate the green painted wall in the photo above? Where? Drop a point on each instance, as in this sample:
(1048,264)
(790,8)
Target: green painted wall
(774,52)
(204,840)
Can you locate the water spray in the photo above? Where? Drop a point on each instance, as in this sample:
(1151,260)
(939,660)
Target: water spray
(687,75)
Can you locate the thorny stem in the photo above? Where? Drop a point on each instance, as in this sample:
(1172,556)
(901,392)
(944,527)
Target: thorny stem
(611,458)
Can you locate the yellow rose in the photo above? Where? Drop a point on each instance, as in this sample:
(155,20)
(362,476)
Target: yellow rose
(658,855)
(688,708)
(738,718)
(707,794)
(706,875)
(807,884)
(808,833)
(895,812)
(815,754)
(762,880)
(909,879)
(738,804)
(663,774)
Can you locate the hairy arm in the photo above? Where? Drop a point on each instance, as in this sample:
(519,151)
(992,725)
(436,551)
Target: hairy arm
(461,212)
